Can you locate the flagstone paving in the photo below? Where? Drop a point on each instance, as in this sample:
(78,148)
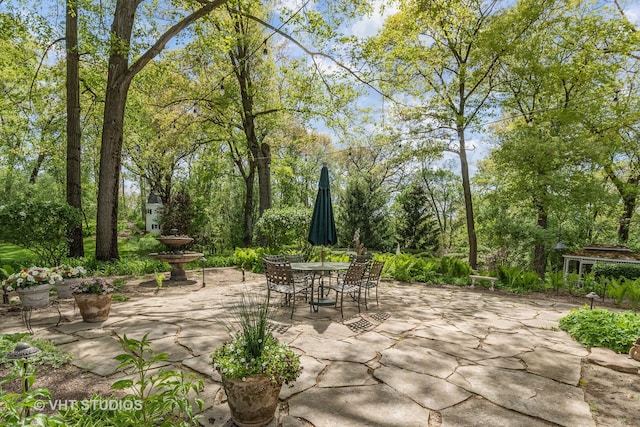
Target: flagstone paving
(426,356)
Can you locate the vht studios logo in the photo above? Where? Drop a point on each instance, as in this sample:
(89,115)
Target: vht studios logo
(89,405)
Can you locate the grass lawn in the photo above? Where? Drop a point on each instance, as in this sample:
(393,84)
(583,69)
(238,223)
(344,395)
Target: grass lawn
(12,254)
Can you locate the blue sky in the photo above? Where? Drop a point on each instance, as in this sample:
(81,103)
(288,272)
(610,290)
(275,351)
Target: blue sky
(369,25)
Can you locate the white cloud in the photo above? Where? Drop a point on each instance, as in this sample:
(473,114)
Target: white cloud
(633,13)
(291,4)
(370,25)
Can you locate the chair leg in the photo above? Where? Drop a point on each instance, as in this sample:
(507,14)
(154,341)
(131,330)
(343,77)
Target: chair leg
(359,294)
(376,295)
(293,303)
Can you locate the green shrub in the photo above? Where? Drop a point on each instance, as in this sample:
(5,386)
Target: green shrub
(454,267)
(508,275)
(611,270)
(219,261)
(617,290)
(633,294)
(602,328)
(249,259)
(555,280)
(403,267)
(16,409)
(590,283)
(279,227)
(41,227)
(163,396)
(517,280)
(155,398)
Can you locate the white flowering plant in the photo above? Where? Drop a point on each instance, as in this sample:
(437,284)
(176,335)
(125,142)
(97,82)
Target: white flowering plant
(93,285)
(254,350)
(30,277)
(69,272)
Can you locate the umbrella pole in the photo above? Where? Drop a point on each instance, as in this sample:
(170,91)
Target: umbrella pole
(322,255)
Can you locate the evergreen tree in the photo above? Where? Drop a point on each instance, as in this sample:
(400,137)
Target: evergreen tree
(417,226)
(365,209)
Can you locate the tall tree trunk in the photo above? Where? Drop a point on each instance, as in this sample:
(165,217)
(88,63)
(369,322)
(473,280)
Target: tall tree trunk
(468,203)
(539,251)
(74,183)
(628,194)
(240,57)
(261,152)
(248,207)
(629,207)
(118,81)
(36,168)
(264,177)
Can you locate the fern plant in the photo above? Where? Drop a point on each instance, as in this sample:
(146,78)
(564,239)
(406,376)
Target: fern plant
(617,290)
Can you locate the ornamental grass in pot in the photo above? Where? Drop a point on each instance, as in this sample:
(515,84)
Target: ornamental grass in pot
(254,365)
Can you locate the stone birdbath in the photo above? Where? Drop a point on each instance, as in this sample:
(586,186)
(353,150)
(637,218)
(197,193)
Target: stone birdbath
(176,257)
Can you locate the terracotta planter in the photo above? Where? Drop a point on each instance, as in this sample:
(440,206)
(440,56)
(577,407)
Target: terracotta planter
(634,352)
(63,287)
(34,297)
(93,307)
(253,402)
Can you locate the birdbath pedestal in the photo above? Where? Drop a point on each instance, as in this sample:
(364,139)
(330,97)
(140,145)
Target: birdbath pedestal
(176,258)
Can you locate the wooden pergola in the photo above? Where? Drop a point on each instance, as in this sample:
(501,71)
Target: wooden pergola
(592,254)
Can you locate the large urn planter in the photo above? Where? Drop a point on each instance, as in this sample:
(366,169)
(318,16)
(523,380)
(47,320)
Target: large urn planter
(252,401)
(63,287)
(34,296)
(93,307)
(254,365)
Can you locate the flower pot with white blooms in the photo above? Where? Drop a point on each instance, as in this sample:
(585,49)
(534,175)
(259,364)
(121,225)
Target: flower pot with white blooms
(70,276)
(93,298)
(32,286)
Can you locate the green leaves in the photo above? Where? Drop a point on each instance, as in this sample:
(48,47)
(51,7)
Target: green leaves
(38,226)
(602,328)
(161,398)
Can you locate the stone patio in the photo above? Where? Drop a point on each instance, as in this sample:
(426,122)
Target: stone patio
(456,357)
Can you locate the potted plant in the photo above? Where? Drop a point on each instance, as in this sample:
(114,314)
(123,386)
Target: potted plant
(93,297)
(254,365)
(32,285)
(70,275)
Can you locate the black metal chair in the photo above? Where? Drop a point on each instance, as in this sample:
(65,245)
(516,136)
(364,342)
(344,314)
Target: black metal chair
(280,279)
(360,257)
(351,283)
(299,276)
(294,258)
(371,280)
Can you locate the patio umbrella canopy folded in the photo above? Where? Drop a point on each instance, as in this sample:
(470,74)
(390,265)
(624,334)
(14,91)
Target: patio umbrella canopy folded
(322,231)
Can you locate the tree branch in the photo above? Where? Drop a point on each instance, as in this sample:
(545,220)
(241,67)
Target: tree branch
(160,44)
(44,54)
(314,54)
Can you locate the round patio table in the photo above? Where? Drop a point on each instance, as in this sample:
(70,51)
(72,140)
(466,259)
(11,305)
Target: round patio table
(321,268)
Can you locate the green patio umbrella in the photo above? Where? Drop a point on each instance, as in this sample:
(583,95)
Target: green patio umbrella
(322,231)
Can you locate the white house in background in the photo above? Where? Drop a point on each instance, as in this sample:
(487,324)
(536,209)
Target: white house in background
(152,218)
(582,261)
